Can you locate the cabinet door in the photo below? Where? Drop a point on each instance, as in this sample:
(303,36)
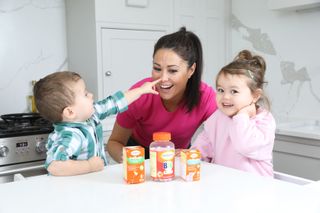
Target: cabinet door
(126,57)
(206,18)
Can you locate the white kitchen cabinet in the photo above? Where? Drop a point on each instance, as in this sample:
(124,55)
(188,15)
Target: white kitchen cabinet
(126,57)
(297,156)
(209,19)
(110,42)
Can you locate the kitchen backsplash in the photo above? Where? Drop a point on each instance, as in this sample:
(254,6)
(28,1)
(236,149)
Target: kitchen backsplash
(32,45)
(289,41)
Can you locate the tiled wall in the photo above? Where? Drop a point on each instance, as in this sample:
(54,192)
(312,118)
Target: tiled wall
(32,45)
(289,41)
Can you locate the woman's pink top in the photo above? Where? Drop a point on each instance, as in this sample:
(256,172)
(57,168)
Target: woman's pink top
(148,115)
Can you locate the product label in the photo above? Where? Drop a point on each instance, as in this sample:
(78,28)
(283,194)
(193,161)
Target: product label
(190,165)
(162,164)
(133,164)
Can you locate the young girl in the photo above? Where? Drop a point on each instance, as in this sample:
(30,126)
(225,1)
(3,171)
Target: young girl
(240,134)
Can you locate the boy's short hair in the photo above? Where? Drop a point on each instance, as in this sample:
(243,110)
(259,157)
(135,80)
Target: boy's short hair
(54,93)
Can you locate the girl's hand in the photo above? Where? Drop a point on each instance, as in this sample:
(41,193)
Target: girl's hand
(250,110)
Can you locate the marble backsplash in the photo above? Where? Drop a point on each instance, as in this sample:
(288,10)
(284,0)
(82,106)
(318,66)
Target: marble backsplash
(32,45)
(289,42)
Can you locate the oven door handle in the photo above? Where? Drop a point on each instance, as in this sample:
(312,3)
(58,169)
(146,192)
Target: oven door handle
(19,170)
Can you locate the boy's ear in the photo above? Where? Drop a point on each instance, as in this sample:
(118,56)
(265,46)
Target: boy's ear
(256,95)
(68,113)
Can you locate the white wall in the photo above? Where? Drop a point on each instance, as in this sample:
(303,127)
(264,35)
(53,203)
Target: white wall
(285,38)
(32,45)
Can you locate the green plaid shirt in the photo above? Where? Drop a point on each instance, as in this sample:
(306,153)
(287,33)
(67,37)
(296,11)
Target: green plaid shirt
(83,140)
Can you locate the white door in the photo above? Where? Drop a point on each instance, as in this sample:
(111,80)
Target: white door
(126,57)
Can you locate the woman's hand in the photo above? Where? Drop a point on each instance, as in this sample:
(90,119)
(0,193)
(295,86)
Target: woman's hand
(178,152)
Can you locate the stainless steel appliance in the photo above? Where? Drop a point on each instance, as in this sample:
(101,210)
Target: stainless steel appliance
(23,138)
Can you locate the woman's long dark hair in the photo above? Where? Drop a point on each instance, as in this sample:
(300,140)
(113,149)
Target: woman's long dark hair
(188,46)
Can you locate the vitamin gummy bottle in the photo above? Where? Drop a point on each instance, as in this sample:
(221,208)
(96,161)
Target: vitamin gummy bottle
(162,155)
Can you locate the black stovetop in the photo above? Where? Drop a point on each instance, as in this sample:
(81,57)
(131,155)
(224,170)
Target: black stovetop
(20,124)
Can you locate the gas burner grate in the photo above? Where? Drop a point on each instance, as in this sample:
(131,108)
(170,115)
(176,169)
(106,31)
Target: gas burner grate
(23,124)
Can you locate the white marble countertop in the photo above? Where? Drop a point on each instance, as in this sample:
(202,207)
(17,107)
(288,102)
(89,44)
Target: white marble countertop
(220,189)
(304,129)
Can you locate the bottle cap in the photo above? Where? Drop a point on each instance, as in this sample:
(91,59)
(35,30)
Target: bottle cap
(161,136)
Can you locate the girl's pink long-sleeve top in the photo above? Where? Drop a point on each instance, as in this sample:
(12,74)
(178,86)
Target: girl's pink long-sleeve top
(239,142)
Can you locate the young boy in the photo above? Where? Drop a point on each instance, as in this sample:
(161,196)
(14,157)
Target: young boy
(76,144)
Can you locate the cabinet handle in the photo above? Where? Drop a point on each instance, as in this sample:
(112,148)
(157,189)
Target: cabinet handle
(108,73)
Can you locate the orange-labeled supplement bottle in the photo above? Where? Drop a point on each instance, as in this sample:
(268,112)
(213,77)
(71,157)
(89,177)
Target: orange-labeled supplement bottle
(162,155)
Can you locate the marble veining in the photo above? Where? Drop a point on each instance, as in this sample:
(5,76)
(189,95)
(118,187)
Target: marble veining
(296,81)
(11,76)
(32,45)
(17,5)
(260,41)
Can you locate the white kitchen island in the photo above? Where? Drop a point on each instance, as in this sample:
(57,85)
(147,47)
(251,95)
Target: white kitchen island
(220,190)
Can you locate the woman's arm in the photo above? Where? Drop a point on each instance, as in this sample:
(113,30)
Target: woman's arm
(118,139)
(75,167)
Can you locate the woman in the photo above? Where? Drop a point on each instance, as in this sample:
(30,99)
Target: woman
(183,103)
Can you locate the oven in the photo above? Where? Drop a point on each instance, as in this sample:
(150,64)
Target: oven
(23,139)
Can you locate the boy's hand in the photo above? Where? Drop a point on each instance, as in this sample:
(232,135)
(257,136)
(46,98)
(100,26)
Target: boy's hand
(96,164)
(149,87)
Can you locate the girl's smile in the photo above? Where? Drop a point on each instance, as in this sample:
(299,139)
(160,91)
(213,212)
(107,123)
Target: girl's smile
(233,93)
